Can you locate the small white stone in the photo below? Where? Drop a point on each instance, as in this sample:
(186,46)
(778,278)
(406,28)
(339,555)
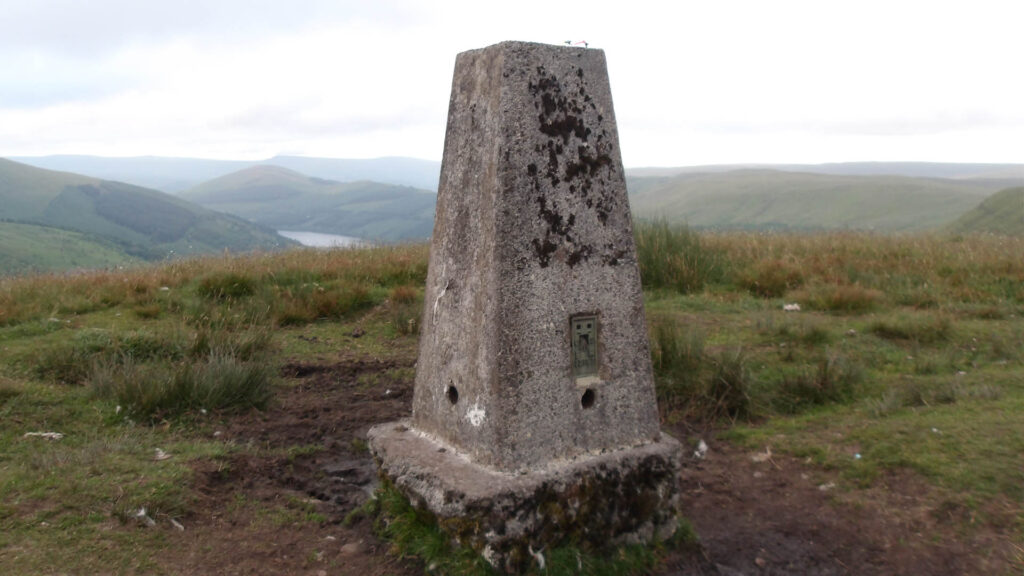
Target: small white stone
(701,451)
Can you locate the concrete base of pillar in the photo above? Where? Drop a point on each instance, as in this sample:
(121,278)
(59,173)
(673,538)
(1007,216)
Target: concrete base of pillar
(630,495)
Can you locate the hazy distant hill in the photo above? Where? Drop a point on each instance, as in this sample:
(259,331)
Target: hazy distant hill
(178,174)
(949,170)
(772,199)
(287,200)
(107,222)
(1001,213)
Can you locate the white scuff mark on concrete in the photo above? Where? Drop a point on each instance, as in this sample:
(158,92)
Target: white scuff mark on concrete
(476,415)
(440,294)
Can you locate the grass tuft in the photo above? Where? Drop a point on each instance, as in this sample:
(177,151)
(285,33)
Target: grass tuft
(772,278)
(673,257)
(226,286)
(920,329)
(693,385)
(728,391)
(678,360)
(833,380)
(853,299)
(156,391)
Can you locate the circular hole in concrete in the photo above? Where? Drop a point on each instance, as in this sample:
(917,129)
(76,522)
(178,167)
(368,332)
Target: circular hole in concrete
(453,394)
(588,398)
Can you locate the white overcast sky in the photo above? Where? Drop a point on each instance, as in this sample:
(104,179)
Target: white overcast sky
(693,82)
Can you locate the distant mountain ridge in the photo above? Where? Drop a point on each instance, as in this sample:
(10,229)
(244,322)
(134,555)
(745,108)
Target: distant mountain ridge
(945,170)
(178,174)
(123,222)
(175,175)
(373,199)
(284,199)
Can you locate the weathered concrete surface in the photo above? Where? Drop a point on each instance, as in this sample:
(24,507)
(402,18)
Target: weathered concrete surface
(534,414)
(622,496)
(532,229)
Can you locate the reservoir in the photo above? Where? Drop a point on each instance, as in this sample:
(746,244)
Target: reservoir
(318,240)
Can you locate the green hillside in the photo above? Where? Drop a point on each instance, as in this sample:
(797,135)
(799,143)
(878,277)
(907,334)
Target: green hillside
(1001,213)
(771,199)
(111,222)
(28,248)
(287,200)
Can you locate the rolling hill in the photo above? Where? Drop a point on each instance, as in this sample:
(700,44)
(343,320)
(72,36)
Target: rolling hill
(1001,213)
(773,199)
(287,200)
(109,222)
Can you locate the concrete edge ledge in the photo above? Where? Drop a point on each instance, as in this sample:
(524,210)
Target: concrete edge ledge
(630,495)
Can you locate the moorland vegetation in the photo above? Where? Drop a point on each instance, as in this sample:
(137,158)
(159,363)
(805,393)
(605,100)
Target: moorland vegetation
(906,356)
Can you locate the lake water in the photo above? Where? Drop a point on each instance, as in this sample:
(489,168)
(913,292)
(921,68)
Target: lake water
(318,240)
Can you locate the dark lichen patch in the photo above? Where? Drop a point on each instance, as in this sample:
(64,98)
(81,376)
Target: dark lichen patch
(591,160)
(581,254)
(612,256)
(559,114)
(554,150)
(544,249)
(570,154)
(557,224)
(559,232)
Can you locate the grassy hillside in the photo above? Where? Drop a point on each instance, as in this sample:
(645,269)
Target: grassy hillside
(287,200)
(1001,213)
(136,222)
(213,411)
(32,248)
(769,199)
(25,191)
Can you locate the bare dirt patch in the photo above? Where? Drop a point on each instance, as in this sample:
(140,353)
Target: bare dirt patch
(758,513)
(283,512)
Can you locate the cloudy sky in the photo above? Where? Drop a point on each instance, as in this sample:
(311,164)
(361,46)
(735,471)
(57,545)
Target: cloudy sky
(694,82)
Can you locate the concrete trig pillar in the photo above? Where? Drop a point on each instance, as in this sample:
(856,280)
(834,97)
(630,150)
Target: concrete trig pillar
(534,412)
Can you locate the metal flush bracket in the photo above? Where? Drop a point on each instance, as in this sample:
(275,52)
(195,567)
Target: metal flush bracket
(584,333)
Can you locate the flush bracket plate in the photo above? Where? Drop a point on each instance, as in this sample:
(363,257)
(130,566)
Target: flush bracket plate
(584,343)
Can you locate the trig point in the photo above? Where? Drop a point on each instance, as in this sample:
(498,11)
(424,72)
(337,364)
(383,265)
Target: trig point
(534,415)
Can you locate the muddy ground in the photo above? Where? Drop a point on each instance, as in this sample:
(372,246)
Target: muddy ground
(754,514)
